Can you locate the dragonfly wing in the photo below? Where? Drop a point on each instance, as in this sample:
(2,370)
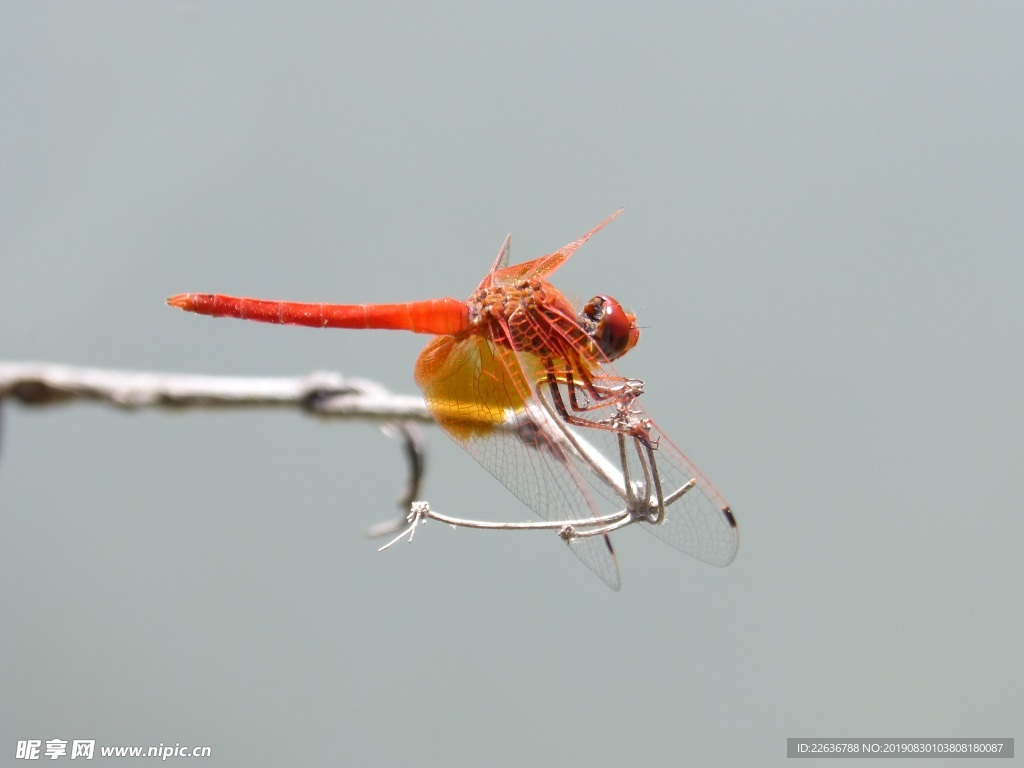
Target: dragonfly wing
(500,262)
(700,522)
(545,265)
(481,395)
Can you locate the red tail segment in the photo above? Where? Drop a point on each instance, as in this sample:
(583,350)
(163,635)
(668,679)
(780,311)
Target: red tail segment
(439,316)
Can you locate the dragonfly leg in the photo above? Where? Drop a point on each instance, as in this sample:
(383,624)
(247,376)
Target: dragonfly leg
(599,395)
(652,509)
(651,503)
(568,405)
(638,504)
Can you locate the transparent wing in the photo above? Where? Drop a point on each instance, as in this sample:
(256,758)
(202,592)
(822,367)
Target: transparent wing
(670,496)
(481,395)
(700,521)
(541,267)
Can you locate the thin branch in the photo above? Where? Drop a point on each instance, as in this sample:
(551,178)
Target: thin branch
(331,395)
(321,393)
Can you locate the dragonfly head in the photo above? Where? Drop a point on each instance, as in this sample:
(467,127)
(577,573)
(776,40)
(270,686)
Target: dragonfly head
(612,329)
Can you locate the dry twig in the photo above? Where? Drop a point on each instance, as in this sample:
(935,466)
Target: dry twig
(321,393)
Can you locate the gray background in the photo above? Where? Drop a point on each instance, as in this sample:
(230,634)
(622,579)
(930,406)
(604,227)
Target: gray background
(822,238)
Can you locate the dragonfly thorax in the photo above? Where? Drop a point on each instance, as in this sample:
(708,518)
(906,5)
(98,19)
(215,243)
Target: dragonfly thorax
(531,316)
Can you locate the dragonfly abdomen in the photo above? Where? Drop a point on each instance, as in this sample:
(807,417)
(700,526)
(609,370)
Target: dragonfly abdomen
(437,316)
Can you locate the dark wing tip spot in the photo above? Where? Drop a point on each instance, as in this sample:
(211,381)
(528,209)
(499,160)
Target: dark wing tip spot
(729,516)
(608,542)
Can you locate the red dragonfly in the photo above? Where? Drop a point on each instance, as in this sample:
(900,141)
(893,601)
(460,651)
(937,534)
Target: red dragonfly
(522,381)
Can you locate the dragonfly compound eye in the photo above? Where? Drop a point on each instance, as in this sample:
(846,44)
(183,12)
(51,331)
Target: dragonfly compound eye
(612,328)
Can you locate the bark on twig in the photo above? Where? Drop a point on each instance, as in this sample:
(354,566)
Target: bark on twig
(320,393)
